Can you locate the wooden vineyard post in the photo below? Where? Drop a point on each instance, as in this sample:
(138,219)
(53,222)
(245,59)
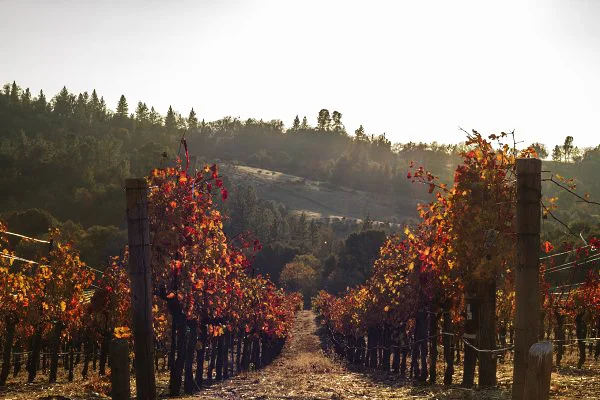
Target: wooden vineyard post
(471,339)
(119,369)
(539,370)
(141,287)
(528,214)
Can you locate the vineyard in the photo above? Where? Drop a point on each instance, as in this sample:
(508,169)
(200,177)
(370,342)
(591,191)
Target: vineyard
(463,294)
(450,281)
(212,316)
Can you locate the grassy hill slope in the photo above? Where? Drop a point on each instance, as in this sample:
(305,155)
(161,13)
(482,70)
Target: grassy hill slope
(321,199)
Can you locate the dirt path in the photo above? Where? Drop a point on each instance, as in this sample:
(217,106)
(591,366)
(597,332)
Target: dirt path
(303,371)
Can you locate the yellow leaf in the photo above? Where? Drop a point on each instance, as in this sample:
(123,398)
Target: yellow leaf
(386,308)
(63,306)
(122,332)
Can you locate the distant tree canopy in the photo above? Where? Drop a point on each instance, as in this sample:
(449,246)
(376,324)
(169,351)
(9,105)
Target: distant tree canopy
(303,274)
(93,149)
(69,155)
(568,152)
(29,222)
(540,149)
(354,260)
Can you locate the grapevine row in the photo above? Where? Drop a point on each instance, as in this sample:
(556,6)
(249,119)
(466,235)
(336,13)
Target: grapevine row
(208,305)
(450,279)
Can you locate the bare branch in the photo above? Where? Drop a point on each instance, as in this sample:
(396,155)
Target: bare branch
(571,191)
(560,222)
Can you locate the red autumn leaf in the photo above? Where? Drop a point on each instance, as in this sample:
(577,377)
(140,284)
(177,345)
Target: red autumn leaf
(215,171)
(547,247)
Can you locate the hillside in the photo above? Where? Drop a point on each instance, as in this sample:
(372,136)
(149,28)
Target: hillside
(322,199)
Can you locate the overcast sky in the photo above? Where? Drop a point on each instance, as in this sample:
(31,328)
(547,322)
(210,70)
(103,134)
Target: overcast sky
(413,69)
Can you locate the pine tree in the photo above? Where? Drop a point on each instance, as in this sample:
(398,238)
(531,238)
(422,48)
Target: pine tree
(337,122)
(567,148)
(302,230)
(15,93)
(94,103)
(122,108)
(192,120)
(102,111)
(304,123)
(557,153)
(181,123)
(26,98)
(170,121)
(81,108)
(93,107)
(359,134)
(296,124)
(154,117)
(41,104)
(314,234)
(63,103)
(324,120)
(141,114)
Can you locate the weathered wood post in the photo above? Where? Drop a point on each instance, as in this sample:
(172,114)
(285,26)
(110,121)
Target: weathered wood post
(119,369)
(539,370)
(141,286)
(528,214)
(470,338)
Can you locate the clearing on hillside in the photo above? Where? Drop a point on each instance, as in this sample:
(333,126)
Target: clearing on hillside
(324,200)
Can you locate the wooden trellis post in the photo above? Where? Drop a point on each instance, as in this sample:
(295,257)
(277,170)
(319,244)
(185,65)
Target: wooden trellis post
(539,371)
(140,275)
(119,369)
(527,323)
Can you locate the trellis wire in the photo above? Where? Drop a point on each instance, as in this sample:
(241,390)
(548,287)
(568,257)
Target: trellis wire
(573,264)
(25,237)
(43,265)
(420,341)
(564,252)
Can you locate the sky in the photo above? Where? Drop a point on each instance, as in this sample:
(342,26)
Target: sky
(416,70)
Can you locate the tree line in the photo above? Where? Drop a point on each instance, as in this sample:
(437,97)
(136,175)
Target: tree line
(64,160)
